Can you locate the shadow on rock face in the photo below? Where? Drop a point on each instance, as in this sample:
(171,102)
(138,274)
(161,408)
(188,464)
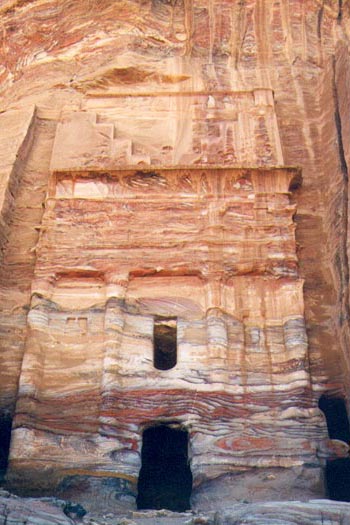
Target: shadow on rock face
(74,510)
(165,480)
(96,494)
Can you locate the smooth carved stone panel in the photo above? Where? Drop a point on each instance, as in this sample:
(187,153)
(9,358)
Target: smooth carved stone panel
(235,129)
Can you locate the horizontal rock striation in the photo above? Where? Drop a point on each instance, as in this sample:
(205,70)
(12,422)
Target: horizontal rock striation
(25,174)
(50,512)
(156,180)
(218,256)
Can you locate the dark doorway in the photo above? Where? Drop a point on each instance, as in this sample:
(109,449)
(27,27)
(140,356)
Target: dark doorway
(165,480)
(5,440)
(165,342)
(334,409)
(338,479)
(338,470)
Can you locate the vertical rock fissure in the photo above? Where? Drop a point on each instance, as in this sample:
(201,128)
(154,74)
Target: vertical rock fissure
(319,22)
(343,257)
(5,440)
(188,6)
(340,10)
(238,41)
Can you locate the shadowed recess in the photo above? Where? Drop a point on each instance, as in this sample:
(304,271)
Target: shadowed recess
(338,470)
(337,419)
(338,479)
(165,480)
(165,343)
(5,440)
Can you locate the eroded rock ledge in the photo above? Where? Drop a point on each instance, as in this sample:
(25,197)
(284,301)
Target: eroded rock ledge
(51,511)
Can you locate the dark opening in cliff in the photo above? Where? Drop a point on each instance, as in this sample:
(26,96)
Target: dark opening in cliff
(338,479)
(165,480)
(165,343)
(338,470)
(5,440)
(336,416)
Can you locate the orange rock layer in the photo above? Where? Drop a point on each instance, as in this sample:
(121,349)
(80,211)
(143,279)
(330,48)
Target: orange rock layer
(150,167)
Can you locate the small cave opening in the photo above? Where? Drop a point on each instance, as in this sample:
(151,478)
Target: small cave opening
(338,479)
(165,480)
(165,342)
(334,409)
(337,470)
(5,441)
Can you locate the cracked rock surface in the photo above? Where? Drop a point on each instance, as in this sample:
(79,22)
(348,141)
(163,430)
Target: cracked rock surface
(50,511)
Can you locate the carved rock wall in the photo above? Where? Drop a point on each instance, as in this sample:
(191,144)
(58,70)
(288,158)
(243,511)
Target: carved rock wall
(50,59)
(25,177)
(125,93)
(219,254)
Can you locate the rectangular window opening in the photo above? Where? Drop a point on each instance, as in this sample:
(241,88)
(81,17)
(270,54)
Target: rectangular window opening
(165,342)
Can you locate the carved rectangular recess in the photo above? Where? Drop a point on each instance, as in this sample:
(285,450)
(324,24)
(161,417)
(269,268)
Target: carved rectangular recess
(164,342)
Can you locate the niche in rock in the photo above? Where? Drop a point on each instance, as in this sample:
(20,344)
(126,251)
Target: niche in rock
(336,416)
(165,480)
(165,343)
(5,440)
(337,471)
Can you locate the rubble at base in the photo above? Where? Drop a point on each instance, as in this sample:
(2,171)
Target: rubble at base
(51,511)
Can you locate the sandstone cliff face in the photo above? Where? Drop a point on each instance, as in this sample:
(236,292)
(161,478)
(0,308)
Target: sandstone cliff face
(145,147)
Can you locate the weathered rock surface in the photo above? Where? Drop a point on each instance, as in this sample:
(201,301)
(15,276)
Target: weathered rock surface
(18,511)
(31,511)
(241,385)
(289,513)
(298,49)
(150,178)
